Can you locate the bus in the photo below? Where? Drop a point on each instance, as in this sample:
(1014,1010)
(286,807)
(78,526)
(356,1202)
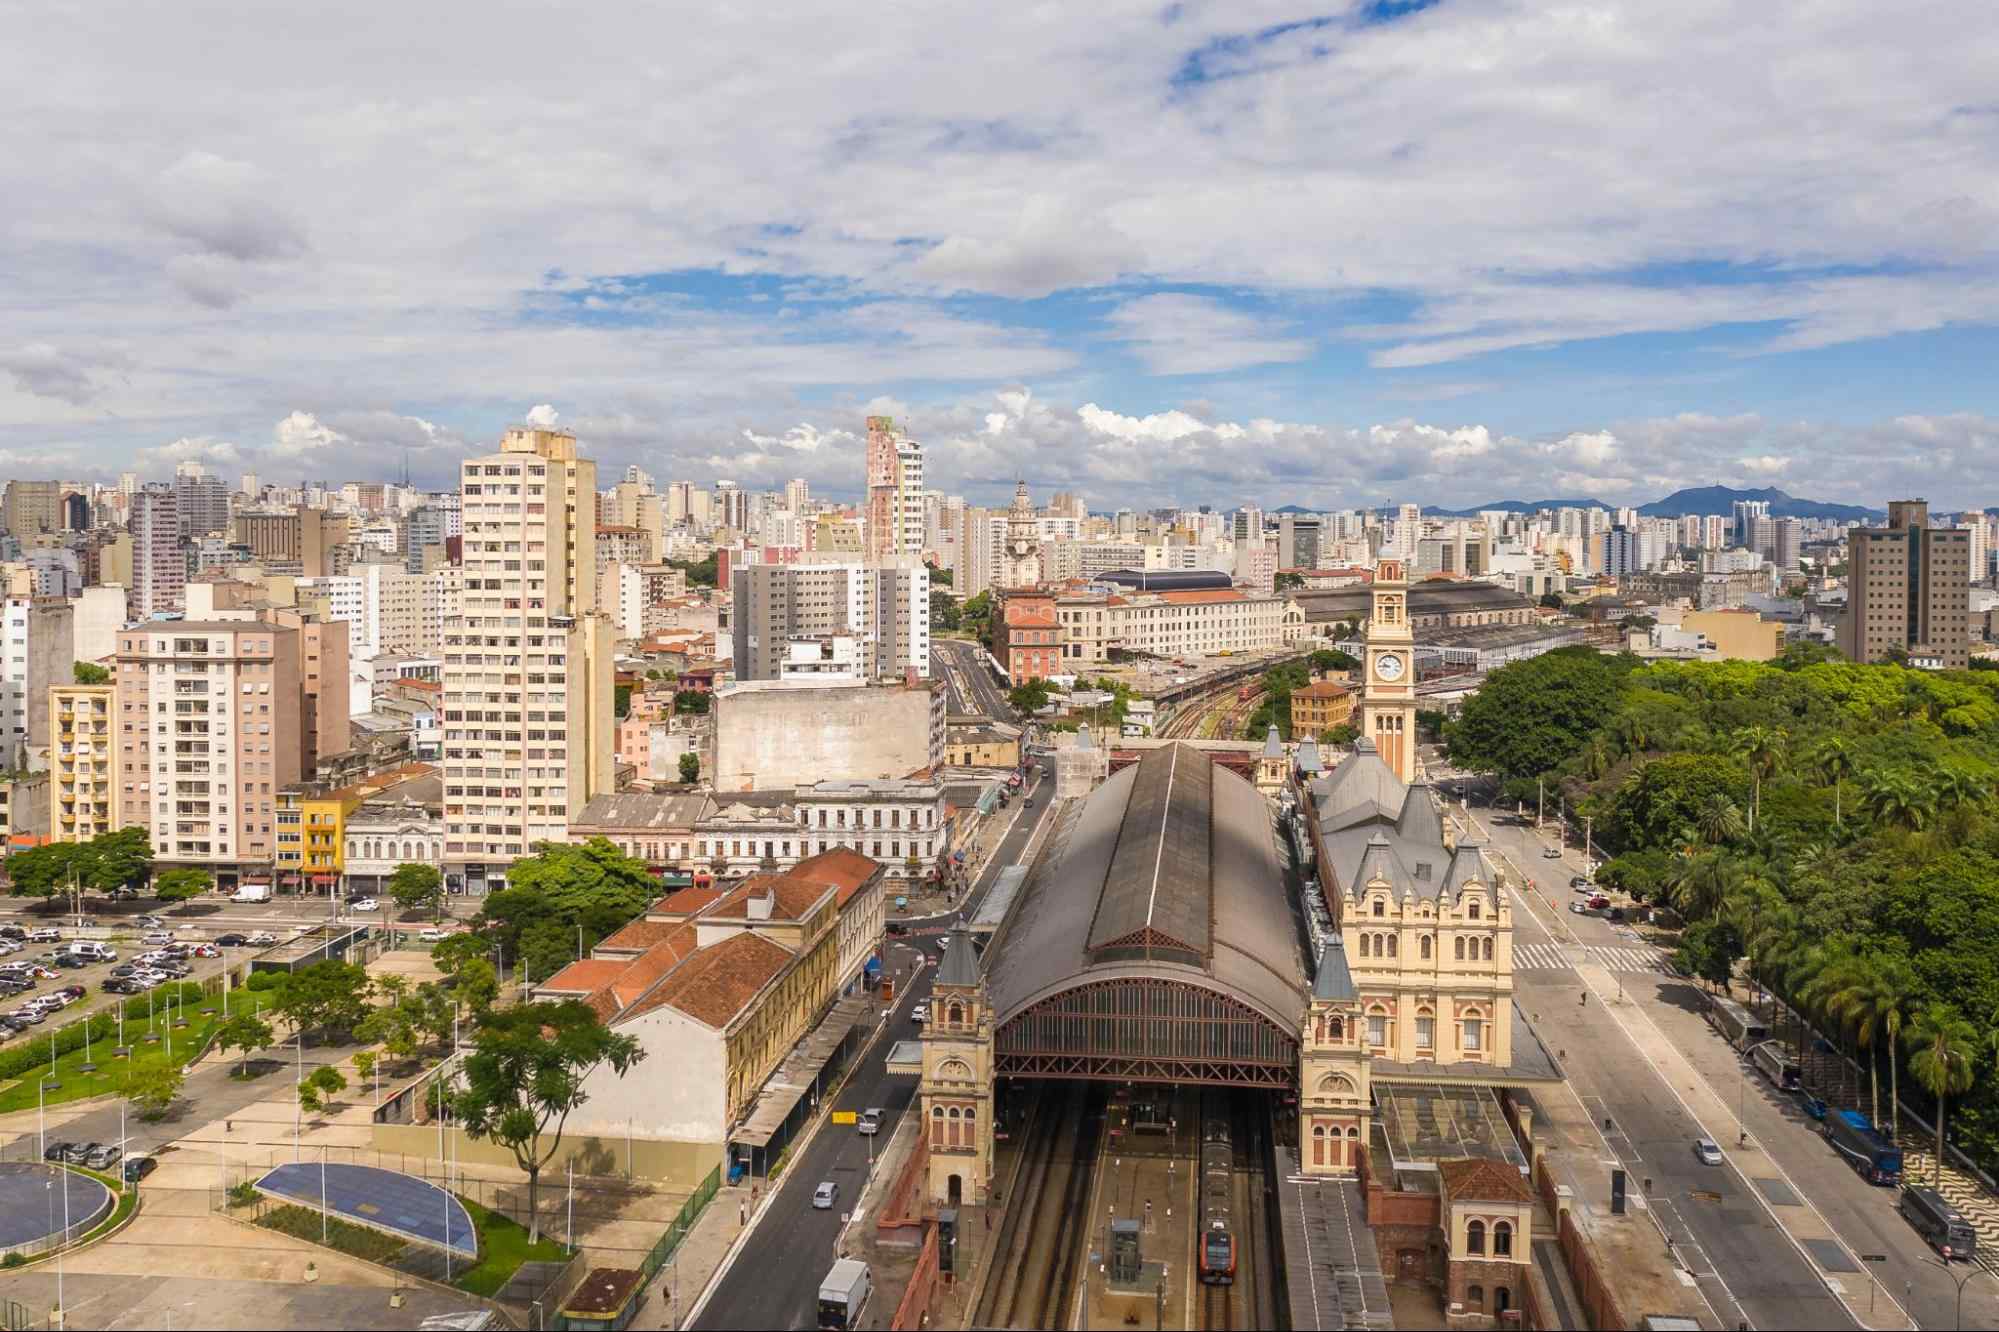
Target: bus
(1939,1223)
(1735,1023)
(1854,1137)
(1775,1063)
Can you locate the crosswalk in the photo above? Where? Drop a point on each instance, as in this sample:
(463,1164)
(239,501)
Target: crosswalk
(1554,957)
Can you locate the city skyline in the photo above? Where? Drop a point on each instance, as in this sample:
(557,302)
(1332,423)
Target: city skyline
(1394,247)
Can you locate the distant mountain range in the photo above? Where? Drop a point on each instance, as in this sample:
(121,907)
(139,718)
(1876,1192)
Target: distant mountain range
(1694,500)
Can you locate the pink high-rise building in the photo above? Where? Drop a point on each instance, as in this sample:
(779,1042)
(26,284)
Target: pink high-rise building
(895,520)
(208,730)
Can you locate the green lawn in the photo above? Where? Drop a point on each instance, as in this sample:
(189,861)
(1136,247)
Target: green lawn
(503,1247)
(306,1223)
(111,1072)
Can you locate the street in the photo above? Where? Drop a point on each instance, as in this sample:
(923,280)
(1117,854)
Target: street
(773,1279)
(961,664)
(1728,1223)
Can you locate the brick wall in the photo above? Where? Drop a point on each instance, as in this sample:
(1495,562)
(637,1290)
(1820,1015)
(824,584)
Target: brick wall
(914,1307)
(1600,1302)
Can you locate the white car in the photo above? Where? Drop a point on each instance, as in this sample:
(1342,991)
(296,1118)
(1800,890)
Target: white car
(367,904)
(262,939)
(432,934)
(823,1196)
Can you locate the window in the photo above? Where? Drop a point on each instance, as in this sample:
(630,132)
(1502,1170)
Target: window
(1474,1033)
(1458,947)
(1425,947)
(1475,1237)
(1377,1029)
(1472,911)
(1391,944)
(1367,945)
(1486,950)
(1426,1032)
(1502,1239)
(1380,907)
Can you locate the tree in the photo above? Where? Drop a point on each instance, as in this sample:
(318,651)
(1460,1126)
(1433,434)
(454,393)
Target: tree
(329,998)
(44,871)
(418,887)
(1719,820)
(1832,761)
(317,1090)
(177,885)
(1530,715)
(1028,698)
(690,768)
(940,575)
(1871,994)
(121,859)
(90,673)
(592,883)
(526,1075)
(1709,949)
(1285,582)
(1762,748)
(455,951)
(945,616)
(1943,1046)
(364,1064)
(1343,734)
(700,573)
(244,1031)
(151,1088)
(621,701)
(1896,797)
(478,985)
(1552,601)
(693,702)
(1332,659)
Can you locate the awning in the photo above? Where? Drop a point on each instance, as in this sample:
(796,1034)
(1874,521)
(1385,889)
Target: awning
(874,966)
(796,1075)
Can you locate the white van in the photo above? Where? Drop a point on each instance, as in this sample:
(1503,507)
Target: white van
(92,951)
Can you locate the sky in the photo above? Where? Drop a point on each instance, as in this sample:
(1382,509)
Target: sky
(1442,251)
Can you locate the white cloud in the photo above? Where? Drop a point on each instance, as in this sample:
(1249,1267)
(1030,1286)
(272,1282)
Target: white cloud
(1179,334)
(1767,464)
(542,415)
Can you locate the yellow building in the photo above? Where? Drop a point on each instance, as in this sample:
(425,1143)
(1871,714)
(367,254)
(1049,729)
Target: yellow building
(980,746)
(83,768)
(1319,707)
(1737,635)
(311,833)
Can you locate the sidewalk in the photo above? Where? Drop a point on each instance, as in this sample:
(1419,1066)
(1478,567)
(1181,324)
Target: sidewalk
(687,1273)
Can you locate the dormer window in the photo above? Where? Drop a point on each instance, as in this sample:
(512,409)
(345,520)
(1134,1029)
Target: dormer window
(1380,906)
(1471,911)
(1423,870)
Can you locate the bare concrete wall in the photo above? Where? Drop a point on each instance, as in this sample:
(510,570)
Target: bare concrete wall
(675,1165)
(777,738)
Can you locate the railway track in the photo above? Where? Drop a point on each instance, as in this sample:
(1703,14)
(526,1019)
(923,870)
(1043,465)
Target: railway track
(1039,1133)
(1045,1230)
(1215,1305)
(1072,1230)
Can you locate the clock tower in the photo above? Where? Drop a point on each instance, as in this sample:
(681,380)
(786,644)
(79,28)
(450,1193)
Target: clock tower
(1388,698)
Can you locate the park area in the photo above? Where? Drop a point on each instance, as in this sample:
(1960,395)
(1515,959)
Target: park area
(84,1059)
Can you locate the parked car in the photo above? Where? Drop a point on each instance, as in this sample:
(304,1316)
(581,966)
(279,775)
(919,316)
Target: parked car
(1706,1152)
(1581,884)
(102,1158)
(231,940)
(149,922)
(138,1167)
(823,1196)
(204,950)
(45,934)
(1598,903)
(15,985)
(123,985)
(261,939)
(1615,913)
(13,932)
(1551,853)
(32,1017)
(432,934)
(79,1152)
(368,904)
(1579,908)
(154,938)
(56,1150)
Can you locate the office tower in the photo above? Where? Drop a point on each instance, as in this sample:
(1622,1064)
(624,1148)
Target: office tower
(201,505)
(732,506)
(797,495)
(249,487)
(83,761)
(638,476)
(159,571)
(428,525)
(1246,524)
(888,609)
(37,645)
(1742,522)
(1298,541)
(1620,553)
(208,715)
(1787,543)
(128,483)
(895,493)
(1908,589)
(527,665)
(30,508)
(76,512)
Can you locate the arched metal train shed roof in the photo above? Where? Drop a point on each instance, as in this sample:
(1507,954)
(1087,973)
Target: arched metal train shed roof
(1155,936)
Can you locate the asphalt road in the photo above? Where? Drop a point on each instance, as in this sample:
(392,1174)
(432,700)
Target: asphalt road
(971,679)
(1752,1262)
(774,1279)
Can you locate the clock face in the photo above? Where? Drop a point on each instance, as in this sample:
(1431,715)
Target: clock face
(1388,666)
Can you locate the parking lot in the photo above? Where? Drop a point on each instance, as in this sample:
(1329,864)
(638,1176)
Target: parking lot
(37,972)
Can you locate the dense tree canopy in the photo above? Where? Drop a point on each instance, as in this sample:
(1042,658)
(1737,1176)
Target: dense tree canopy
(109,861)
(561,889)
(1831,825)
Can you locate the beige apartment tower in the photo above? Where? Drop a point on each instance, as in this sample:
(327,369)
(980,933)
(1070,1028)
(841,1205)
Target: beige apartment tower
(527,663)
(208,730)
(1908,590)
(83,761)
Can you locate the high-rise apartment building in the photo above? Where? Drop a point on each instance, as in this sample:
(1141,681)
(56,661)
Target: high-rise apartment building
(887,609)
(1742,521)
(30,508)
(208,730)
(159,570)
(83,761)
(895,493)
(201,505)
(1908,589)
(527,663)
(797,495)
(1787,544)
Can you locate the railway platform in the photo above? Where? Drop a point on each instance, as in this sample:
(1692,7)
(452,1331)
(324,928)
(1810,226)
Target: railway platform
(1332,1269)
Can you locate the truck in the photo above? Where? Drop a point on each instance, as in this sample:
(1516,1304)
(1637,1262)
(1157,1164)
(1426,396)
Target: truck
(252,892)
(1854,1137)
(844,1295)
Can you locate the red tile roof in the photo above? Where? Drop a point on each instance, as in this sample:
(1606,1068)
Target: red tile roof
(685,902)
(659,960)
(587,975)
(1483,1180)
(718,983)
(1200,596)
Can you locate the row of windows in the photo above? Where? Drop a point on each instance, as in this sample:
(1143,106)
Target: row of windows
(1465,950)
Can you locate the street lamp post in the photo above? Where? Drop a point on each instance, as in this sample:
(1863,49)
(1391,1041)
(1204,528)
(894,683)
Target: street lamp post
(1961,1282)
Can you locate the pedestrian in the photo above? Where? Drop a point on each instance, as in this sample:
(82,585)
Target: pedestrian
(742,1213)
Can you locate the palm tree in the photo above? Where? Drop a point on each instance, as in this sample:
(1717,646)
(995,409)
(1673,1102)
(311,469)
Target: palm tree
(1952,787)
(1897,979)
(1719,820)
(1699,884)
(1832,759)
(1867,997)
(1596,758)
(1945,1044)
(1894,796)
(1767,925)
(1762,748)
